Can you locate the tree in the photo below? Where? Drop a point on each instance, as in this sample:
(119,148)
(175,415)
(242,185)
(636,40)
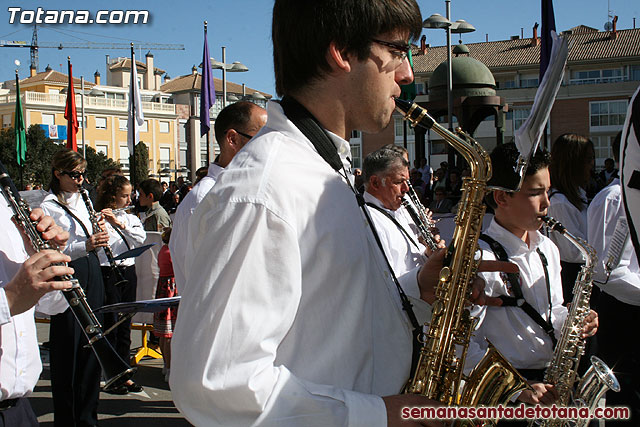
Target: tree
(96,163)
(142,163)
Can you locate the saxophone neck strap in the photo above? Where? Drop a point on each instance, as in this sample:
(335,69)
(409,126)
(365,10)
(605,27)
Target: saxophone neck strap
(75,217)
(313,131)
(395,222)
(121,234)
(518,299)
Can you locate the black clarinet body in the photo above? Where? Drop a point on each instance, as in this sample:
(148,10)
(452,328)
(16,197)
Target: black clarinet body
(120,280)
(116,370)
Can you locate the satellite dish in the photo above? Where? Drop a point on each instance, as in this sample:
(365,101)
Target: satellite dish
(608,26)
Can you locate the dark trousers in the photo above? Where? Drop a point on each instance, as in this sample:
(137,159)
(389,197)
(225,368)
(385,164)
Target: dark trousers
(20,414)
(75,371)
(120,337)
(620,349)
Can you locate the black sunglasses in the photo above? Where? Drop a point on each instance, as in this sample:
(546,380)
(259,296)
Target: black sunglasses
(74,174)
(244,134)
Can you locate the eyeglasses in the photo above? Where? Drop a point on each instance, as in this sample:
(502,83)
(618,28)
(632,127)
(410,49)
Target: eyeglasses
(244,134)
(74,174)
(399,50)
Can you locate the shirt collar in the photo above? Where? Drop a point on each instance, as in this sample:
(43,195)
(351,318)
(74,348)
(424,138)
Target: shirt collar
(512,243)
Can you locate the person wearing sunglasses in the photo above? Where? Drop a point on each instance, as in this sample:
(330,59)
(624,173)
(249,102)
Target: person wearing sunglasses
(75,371)
(235,125)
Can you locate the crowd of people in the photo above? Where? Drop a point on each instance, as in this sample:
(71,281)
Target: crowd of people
(305,284)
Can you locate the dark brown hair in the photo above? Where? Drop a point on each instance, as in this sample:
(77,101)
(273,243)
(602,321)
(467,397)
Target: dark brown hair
(569,153)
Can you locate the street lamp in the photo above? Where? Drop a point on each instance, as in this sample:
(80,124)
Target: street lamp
(235,67)
(460,26)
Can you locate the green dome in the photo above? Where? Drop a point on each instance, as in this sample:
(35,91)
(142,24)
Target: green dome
(470,77)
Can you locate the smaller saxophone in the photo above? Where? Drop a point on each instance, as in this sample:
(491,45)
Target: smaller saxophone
(116,371)
(563,370)
(120,280)
(418,214)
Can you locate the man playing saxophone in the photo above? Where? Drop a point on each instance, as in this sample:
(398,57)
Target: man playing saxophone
(524,312)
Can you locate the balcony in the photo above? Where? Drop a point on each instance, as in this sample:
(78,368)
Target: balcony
(39,98)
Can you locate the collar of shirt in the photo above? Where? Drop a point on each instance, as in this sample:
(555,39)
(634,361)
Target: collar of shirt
(512,244)
(214,170)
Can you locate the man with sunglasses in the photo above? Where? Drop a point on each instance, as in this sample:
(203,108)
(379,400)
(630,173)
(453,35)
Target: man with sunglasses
(235,125)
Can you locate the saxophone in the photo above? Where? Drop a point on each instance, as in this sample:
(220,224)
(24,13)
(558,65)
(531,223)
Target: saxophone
(116,371)
(439,372)
(563,370)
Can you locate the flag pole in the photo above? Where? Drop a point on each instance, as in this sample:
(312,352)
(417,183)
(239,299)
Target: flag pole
(208,131)
(133,114)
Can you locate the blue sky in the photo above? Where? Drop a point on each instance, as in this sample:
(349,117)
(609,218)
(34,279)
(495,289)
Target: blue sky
(243,26)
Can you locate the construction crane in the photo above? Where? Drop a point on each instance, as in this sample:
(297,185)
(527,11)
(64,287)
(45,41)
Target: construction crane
(34,46)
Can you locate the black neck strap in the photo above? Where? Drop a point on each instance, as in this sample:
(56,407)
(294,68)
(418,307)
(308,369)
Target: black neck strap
(311,128)
(395,222)
(66,208)
(517,300)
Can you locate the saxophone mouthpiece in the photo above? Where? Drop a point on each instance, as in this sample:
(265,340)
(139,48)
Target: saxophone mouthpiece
(553,224)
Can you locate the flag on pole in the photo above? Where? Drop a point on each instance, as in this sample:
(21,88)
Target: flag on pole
(21,136)
(207,90)
(135,119)
(630,169)
(548,25)
(70,113)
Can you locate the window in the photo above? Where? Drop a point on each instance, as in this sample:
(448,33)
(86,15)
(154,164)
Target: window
(507,84)
(356,155)
(634,72)
(420,90)
(101,122)
(607,113)
(529,82)
(122,124)
(80,122)
(54,91)
(104,149)
(602,148)
(6,120)
(164,127)
(597,76)
(399,128)
(204,161)
(48,119)
(124,157)
(165,157)
(519,116)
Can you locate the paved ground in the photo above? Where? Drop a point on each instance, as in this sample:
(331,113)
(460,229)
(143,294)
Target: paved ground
(153,406)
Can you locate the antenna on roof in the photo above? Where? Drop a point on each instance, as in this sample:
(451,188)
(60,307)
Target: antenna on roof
(608,26)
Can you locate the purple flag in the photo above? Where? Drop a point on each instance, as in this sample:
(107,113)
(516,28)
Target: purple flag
(207,90)
(548,25)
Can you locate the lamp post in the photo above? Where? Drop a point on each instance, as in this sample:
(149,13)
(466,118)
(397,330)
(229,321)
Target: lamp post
(236,67)
(460,26)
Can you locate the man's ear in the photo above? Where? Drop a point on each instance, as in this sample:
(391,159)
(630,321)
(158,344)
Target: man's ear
(338,59)
(375,182)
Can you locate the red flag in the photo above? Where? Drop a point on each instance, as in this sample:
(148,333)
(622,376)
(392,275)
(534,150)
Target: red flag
(70,113)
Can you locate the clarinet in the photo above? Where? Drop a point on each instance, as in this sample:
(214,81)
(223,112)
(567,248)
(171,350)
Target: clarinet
(417,211)
(116,370)
(120,280)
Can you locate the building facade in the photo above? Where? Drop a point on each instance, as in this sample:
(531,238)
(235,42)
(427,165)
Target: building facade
(601,75)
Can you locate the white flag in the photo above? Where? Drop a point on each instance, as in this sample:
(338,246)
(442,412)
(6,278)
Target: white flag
(135,118)
(630,169)
(528,135)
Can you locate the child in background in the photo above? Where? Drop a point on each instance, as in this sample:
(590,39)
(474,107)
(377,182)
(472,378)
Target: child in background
(164,321)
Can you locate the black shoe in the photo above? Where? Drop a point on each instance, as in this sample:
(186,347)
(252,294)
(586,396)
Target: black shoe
(134,387)
(120,389)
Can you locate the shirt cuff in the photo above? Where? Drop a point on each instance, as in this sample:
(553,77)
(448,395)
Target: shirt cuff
(365,409)
(5,312)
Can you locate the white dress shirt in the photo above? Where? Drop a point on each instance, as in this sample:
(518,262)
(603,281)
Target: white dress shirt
(405,257)
(291,317)
(133,232)
(604,211)
(574,220)
(520,340)
(179,237)
(20,364)
(77,243)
